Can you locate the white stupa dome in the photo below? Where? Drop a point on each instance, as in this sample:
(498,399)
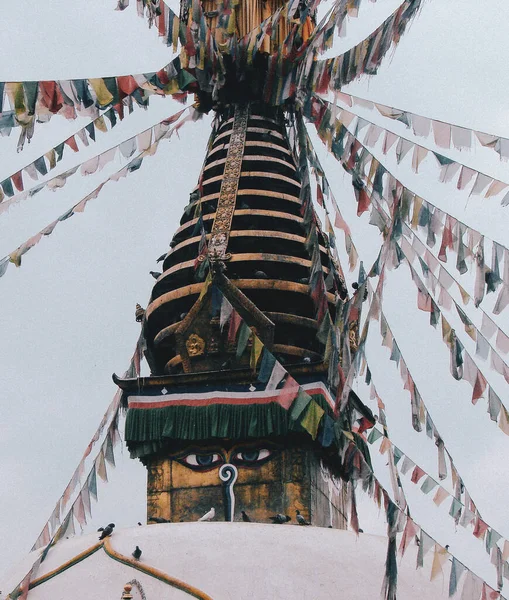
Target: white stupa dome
(225,561)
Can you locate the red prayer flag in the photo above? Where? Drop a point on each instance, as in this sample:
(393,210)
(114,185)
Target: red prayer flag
(363,201)
(51,96)
(71,142)
(479,387)
(480,528)
(17,179)
(417,474)
(127,84)
(288,392)
(319,194)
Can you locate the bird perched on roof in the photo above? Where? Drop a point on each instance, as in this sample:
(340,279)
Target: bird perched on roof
(245,517)
(208,516)
(139,313)
(173,243)
(106,531)
(301,520)
(155,274)
(137,553)
(279,519)
(162,257)
(158,520)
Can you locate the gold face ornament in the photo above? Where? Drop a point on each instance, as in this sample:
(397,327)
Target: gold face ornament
(195,345)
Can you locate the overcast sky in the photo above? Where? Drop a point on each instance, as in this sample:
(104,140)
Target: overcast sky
(67,315)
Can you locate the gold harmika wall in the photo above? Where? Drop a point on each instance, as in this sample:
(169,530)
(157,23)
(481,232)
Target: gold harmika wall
(283,481)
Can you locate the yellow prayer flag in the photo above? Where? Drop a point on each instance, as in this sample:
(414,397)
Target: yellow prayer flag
(101,467)
(206,285)
(100,124)
(172,87)
(256,350)
(312,418)
(104,96)
(465,296)
(503,422)
(51,156)
(439,560)
(384,446)
(446,330)
(417,210)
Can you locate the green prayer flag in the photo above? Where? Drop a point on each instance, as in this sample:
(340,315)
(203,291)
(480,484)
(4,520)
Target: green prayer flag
(244,334)
(374,435)
(455,509)
(312,418)
(31,88)
(92,483)
(398,455)
(428,484)
(299,404)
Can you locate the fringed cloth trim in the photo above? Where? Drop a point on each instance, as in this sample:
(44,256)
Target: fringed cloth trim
(147,430)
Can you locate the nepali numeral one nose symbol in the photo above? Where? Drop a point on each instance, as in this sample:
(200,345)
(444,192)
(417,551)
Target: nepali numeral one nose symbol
(228,475)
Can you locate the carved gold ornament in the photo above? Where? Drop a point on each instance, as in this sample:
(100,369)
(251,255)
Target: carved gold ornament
(195,345)
(229,186)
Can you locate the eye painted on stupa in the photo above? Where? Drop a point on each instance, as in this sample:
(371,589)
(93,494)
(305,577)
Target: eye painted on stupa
(251,456)
(202,461)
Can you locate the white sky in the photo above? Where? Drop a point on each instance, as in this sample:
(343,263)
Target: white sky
(67,316)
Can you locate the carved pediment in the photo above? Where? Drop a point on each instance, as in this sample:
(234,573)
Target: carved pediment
(201,343)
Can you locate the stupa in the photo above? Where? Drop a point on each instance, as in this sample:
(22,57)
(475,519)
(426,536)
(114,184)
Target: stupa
(239,421)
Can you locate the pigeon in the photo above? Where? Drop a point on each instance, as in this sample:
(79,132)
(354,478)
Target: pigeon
(245,517)
(260,275)
(303,280)
(106,531)
(155,274)
(158,520)
(307,360)
(137,553)
(279,519)
(173,243)
(301,520)
(162,257)
(209,515)
(139,524)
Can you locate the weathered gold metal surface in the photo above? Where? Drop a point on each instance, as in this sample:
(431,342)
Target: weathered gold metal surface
(262,130)
(251,157)
(244,212)
(195,345)
(251,144)
(250,233)
(293,478)
(229,185)
(261,174)
(243,284)
(248,256)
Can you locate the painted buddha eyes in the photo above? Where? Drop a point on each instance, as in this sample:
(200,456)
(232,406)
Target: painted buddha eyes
(204,461)
(251,456)
(208,460)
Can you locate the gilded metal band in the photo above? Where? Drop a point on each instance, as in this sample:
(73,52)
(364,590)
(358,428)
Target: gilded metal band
(229,186)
